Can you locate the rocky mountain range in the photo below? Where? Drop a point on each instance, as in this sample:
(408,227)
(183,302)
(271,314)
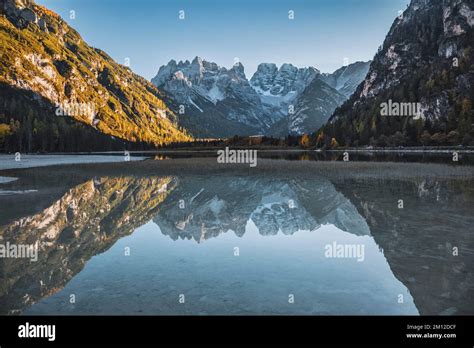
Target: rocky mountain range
(220,102)
(426,59)
(214,101)
(60,94)
(278,88)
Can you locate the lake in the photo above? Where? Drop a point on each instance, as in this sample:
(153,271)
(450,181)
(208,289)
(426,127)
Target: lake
(187,236)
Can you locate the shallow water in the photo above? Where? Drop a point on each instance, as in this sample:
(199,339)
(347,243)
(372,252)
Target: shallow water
(194,244)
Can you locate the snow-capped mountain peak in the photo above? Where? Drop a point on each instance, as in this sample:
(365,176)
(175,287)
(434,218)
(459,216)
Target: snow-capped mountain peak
(225,101)
(202,85)
(279,87)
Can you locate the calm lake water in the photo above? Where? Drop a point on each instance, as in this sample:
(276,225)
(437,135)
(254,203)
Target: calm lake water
(240,244)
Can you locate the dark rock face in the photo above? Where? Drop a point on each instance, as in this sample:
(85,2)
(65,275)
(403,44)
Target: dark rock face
(20,11)
(426,58)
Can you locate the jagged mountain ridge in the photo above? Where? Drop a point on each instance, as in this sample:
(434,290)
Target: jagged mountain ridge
(280,87)
(229,104)
(206,90)
(318,100)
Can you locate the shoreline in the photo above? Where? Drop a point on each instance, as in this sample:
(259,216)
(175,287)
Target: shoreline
(440,150)
(182,167)
(406,150)
(36,160)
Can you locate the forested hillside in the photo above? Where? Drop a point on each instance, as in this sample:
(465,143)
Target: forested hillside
(57,89)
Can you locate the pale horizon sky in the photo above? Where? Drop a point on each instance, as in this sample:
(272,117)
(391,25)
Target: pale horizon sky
(150,33)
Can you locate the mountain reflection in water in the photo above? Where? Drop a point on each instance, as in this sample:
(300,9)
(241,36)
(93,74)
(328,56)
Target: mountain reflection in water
(244,245)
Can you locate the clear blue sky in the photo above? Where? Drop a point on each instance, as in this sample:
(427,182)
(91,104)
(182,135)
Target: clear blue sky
(150,33)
